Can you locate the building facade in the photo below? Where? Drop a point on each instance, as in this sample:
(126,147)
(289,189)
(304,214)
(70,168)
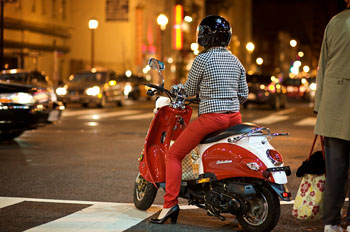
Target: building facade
(54,36)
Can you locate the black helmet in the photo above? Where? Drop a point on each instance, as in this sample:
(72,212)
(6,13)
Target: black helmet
(214,31)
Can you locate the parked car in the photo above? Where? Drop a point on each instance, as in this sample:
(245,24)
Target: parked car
(27,101)
(266,89)
(132,86)
(98,87)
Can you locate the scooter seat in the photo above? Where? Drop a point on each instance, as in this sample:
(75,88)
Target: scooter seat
(233,130)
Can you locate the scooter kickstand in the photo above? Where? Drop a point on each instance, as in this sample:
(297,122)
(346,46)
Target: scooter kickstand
(212,212)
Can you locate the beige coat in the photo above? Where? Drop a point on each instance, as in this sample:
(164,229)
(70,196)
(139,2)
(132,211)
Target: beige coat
(332,100)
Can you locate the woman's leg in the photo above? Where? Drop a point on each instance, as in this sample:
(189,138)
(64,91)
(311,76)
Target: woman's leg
(337,164)
(189,139)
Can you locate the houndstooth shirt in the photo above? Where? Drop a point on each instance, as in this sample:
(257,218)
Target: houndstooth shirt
(220,79)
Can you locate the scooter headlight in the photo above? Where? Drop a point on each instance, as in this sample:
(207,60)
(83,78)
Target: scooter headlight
(275,157)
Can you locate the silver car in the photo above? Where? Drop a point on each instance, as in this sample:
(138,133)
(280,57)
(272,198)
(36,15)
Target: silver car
(96,87)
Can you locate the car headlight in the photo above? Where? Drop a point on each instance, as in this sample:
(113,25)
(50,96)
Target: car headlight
(93,91)
(313,86)
(127,89)
(61,91)
(18,98)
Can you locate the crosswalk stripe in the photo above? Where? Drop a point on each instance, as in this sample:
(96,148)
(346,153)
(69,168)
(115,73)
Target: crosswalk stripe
(135,117)
(273,118)
(67,113)
(110,114)
(310,121)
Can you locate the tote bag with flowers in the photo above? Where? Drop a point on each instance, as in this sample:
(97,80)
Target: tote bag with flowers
(308,203)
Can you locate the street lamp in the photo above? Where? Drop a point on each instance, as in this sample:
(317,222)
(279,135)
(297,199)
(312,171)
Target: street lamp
(162,21)
(250,47)
(259,61)
(293,43)
(93,24)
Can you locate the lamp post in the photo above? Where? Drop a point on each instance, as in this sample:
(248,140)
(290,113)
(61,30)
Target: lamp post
(93,24)
(162,21)
(250,48)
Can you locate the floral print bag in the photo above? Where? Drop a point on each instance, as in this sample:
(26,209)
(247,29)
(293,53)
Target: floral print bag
(308,203)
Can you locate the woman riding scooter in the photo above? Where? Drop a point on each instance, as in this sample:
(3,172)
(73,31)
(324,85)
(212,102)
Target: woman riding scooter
(220,80)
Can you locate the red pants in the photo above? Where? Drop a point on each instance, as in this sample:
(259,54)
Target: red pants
(189,139)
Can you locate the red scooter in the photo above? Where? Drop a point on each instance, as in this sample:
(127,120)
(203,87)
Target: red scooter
(235,171)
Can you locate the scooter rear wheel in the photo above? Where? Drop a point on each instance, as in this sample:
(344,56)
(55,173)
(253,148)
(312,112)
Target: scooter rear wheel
(264,211)
(144,193)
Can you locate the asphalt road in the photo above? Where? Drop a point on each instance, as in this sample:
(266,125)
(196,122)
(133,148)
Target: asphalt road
(90,157)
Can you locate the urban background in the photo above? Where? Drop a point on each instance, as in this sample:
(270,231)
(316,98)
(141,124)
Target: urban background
(61,37)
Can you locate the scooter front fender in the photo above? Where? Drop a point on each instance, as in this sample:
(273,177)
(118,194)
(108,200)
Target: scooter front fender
(164,127)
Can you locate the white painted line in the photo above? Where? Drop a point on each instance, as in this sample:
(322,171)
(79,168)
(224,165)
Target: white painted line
(287,111)
(310,121)
(110,114)
(7,201)
(68,113)
(273,118)
(99,217)
(137,117)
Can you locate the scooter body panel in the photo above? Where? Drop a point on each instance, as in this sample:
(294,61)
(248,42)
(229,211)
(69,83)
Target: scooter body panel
(167,125)
(227,159)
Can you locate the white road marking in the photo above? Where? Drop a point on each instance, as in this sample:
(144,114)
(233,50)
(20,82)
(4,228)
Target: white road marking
(273,118)
(67,113)
(136,117)
(310,121)
(100,216)
(110,114)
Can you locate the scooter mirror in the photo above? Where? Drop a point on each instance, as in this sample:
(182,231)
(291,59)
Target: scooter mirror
(156,64)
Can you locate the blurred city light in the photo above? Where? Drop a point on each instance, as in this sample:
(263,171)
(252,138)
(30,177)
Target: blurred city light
(297,63)
(300,54)
(93,23)
(162,21)
(259,61)
(128,73)
(170,60)
(293,43)
(188,19)
(178,34)
(306,68)
(250,46)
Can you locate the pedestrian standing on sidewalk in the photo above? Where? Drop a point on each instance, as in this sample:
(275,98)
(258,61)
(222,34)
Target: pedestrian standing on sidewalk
(332,104)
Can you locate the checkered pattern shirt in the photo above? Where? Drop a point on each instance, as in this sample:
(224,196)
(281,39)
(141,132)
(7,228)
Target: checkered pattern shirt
(220,79)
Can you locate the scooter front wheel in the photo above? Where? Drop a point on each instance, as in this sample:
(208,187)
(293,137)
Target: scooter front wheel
(264,211)
(144,193)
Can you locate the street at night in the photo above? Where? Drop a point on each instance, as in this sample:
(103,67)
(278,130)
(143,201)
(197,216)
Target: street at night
(79,174)
(84,147)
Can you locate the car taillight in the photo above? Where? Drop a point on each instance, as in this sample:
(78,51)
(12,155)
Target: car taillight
(271,88)
(275,157)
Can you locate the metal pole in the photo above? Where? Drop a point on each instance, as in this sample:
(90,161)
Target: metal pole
(2,36)
(92,48)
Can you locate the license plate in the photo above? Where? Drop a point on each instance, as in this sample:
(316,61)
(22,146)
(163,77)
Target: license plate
(251,96)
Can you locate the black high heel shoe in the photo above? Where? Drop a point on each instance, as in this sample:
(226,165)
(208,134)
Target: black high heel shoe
(173,214)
